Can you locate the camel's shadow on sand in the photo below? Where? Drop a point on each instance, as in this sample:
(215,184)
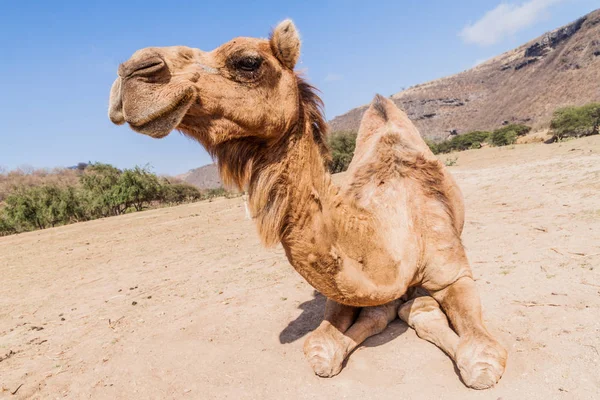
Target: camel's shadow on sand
(312,315)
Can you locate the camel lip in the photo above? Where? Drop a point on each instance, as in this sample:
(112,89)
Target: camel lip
(155,125)
(146,129)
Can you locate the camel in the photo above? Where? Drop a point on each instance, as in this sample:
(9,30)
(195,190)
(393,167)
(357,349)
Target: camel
(386,243)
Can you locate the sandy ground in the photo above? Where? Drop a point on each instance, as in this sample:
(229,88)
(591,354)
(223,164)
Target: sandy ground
(185,303)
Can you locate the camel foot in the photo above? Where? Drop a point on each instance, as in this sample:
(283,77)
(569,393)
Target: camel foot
(481,362)
(325,353)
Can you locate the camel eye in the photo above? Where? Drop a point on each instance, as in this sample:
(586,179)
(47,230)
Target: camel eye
(248,64)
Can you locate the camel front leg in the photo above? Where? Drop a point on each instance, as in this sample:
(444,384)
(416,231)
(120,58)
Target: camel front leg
(328,346)
(323,347)
(425,316)
(479,357)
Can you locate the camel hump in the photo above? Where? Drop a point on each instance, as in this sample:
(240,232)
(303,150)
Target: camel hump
(383,118)
(374,119)
(379,106)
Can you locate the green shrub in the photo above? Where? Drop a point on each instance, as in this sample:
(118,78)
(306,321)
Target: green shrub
(576,121)
(471,140)
(6,226)
(42,207)
(444,147)
(342,146)
(503,138)
(433,146)
(137,188)
(451,161)
(179,193)
(98,183)
(102,191)
(212,193)
(519,129)
(508,134)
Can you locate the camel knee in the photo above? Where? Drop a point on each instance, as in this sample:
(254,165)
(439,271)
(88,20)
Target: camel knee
(422,312)
(425,316)
(378,318)
(375,321)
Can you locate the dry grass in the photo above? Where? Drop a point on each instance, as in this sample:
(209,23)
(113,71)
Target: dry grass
(30,177)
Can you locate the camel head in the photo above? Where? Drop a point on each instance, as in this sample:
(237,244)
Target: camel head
(246,88)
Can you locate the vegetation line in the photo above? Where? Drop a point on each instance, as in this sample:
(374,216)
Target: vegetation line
(38,200)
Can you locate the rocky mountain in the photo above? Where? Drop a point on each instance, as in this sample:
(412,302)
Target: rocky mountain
(524,85)
(206,177)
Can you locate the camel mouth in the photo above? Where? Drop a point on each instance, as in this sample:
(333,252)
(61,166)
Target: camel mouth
(161,122)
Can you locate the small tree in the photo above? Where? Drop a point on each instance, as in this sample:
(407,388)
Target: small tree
(576,121)
(22,208)
(508,134)
(213,193)
(136,187)
(71,205)
(178,193)
(342,146)
(6,226)
(98,182)
(433,146)
(42,207)
(471,140)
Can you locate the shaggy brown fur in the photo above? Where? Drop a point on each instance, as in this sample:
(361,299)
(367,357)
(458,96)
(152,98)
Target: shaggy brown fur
(262,167)
(396,224)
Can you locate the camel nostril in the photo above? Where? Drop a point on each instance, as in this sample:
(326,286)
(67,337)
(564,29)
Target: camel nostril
(145,68)
(149,67)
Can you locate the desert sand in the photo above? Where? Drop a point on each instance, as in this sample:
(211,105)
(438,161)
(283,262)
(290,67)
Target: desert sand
(184,302)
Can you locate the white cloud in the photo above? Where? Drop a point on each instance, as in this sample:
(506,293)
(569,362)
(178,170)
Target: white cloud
(505,20)
(333,77)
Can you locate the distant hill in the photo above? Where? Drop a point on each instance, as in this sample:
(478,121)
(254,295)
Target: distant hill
(524,85)
(206,177)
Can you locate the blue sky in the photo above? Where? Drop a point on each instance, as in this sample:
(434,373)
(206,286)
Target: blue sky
(60,58)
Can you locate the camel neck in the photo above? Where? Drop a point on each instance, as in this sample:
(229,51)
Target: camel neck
(330,242)
(289,185)
(293,202)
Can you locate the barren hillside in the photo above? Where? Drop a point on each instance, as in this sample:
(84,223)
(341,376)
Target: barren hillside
(206,177)
(526,85)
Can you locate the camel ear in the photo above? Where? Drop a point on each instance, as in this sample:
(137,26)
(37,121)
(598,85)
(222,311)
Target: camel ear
(285,43)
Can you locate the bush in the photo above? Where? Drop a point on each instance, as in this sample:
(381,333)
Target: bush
(212,193)
(6,227)
(508,134)
(576,121)
(451,161)
(503,138)
(433,146)
(136,187)
(98,183)
(444,147)
(178,193)
(471,140)
(342,146)
(101,191)
(41,207)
